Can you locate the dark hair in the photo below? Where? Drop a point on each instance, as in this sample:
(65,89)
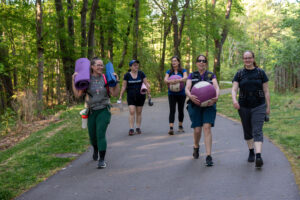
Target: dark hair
(254,63)
(179,65)
(93,62)
(202,56)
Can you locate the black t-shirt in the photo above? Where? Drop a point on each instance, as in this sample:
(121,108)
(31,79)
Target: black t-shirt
(134,85)
(251,83)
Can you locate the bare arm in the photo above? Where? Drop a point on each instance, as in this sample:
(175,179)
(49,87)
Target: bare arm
(77,93)
(235,86)
(114,91)
(124,86)
(145,81)
(185,76)
(267,96)
(193,98)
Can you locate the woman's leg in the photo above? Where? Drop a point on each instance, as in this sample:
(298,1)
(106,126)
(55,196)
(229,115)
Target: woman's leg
(139,110)
(257,121)
(172,106)
(92,134)
(181,101)
(197,136)
(132,109)
(207,138)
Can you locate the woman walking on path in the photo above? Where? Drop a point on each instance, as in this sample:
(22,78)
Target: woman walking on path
(202,117)
(176,97)
(132,83)
(98,103)
(253,104)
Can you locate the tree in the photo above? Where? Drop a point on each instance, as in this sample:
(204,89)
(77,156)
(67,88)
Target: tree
(91,39)
(40,53)
(220,39)
(136,30)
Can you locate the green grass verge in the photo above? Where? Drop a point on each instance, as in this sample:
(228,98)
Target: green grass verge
(283,128)
(34,159)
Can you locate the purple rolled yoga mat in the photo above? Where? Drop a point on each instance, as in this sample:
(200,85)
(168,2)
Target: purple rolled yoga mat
(82,79)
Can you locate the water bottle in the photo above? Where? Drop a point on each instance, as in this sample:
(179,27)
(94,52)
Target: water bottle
(84,117)
(120,105)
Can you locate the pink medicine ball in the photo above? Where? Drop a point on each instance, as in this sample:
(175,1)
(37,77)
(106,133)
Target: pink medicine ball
(204,91)
(177,87)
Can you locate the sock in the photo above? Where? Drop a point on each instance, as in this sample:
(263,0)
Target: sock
(258,155)
(95,147)
(251,151)
(180,127)
(171,128)
(102,155)
(131,129)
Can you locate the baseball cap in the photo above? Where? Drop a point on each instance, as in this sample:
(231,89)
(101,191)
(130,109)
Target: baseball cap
(133,61)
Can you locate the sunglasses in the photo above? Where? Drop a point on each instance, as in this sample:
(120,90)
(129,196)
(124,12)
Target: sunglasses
(202,61)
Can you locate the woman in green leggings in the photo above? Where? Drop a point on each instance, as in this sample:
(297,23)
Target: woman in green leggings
(97,99)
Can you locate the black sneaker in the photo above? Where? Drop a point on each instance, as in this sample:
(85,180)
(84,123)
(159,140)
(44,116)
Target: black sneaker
(180,129)
(251,157)
(259,162)
(196,153)
(171,132)
(138,131)
(101,164)
(209,161)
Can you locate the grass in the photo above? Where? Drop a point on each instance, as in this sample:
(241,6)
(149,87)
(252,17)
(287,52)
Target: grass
(283,127)
(34,159)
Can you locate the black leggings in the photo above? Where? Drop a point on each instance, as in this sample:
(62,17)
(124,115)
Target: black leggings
(173,99)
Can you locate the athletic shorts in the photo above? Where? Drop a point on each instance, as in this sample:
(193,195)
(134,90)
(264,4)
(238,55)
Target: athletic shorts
(201,115)
(136,99)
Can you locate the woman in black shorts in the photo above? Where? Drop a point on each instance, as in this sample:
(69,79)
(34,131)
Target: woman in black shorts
(132,83)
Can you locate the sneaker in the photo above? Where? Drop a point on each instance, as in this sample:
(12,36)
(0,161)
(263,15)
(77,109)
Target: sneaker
(95,154)
(131,132)
(251,157)
(180,129)
(196,153)
(171,132)
(209,161)
(259,162)
(101,164)
(138,131)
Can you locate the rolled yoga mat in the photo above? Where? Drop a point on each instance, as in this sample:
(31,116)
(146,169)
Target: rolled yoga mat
(82,79)
(111,79)
(143,89)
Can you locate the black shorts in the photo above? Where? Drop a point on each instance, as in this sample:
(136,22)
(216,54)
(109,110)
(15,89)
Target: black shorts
(136,99)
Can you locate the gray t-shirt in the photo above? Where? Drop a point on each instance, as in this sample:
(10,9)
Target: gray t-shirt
(97,89)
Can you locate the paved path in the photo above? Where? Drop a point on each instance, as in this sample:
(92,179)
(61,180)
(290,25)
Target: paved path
(157,166)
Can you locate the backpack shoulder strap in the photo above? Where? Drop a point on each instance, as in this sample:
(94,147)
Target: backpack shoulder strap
(240,74)
(106,85)
(260,73)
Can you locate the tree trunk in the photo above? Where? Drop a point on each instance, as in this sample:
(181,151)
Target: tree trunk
(220,42)
(136,30)
(177,32)
(125,40)
(111,27)
(5,77)
(40,54)
(102,40)
(91,40)
(175,28)
(67,65)
(83,28)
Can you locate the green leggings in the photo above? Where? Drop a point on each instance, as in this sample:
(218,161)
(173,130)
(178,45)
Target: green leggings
(97,124)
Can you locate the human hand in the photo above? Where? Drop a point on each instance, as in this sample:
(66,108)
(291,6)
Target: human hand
(268,110)
(236,105)
(195,100)
(116,75)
